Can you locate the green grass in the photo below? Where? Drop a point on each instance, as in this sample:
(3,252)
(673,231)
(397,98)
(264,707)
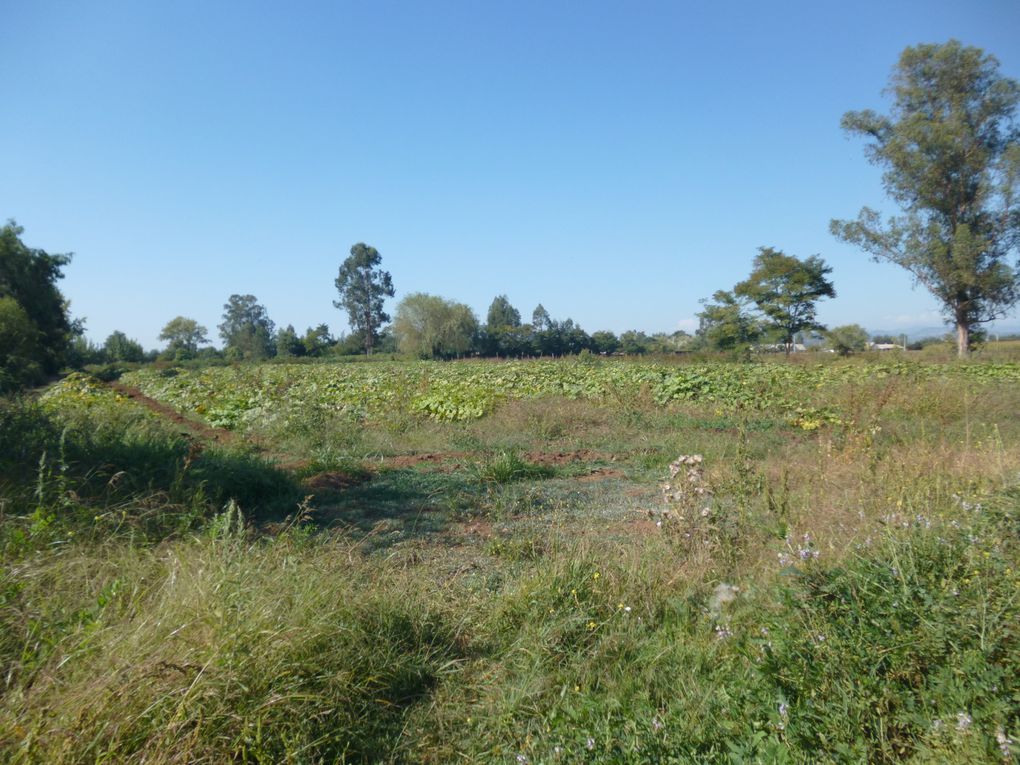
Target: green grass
(498,590)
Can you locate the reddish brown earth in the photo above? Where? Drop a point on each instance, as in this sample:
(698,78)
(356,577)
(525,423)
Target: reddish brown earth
(189,427)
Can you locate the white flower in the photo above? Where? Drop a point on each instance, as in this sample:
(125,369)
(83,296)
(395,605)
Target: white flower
(590,743)
(1004,742)
(722,595)
(963,721)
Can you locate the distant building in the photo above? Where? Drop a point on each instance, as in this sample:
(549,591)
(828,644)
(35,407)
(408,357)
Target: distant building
(780,348)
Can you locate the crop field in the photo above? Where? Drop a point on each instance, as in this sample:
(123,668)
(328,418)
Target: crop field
(590,561)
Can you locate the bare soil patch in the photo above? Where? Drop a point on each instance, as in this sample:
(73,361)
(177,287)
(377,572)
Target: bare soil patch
(189,427)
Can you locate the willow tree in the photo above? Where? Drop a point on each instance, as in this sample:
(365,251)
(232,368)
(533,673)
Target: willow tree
(428,326)
(951,154)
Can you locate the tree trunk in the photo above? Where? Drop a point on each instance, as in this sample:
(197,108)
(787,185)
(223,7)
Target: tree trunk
(962,338)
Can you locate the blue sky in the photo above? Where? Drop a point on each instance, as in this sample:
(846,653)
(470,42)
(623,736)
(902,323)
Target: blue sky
(616,162)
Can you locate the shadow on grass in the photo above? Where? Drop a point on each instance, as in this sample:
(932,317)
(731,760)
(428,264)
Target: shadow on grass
(400,504)
(72,473)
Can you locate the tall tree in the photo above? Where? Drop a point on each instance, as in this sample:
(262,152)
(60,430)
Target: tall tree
(428,326)
(951,153)
(363,288)
(502,315)
(247,330)
(37,330)
(540,319)
(183,335)
(785,289)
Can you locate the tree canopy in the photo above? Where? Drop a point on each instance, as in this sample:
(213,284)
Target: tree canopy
(119,347)
(35,329)
(727,325)
(363,287)
(847,339)
(429,326)
(785,289)
(183,335)
(502,315)
(247,330)
(951,154)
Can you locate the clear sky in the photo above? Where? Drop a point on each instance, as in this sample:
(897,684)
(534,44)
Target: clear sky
(616,162)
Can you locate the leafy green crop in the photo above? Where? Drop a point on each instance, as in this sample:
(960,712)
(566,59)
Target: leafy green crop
(238,397)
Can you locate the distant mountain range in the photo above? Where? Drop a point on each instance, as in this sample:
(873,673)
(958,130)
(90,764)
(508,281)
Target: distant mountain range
(916,333)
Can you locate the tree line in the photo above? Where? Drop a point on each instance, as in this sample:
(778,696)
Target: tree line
(950,153)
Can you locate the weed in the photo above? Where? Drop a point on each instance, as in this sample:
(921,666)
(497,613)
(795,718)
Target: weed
(508,467)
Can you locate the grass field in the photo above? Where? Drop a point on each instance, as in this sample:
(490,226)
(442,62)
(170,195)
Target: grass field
(491,562)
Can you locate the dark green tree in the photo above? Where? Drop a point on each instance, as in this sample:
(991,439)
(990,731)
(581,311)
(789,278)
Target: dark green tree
(363,289)
(540,319)
(119,347)
(83,351)
(183,336)
(247,330)
(785,289)
(37,332)
(502,315)
(317,340)
(727,324)
(19,347)
(288,343)
(572,339)
(634,342)
(501,335)
(951,153)
(605,342)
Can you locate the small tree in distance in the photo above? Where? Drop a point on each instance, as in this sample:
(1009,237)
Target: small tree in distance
(785,289)
(247,330)
(727,325)
(363,288)
(119,347)
(184,335)
(850,338)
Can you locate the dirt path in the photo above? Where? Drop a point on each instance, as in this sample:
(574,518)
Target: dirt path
(189,427)
(449,460)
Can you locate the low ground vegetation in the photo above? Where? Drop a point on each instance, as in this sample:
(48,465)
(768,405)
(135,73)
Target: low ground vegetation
(480,562)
